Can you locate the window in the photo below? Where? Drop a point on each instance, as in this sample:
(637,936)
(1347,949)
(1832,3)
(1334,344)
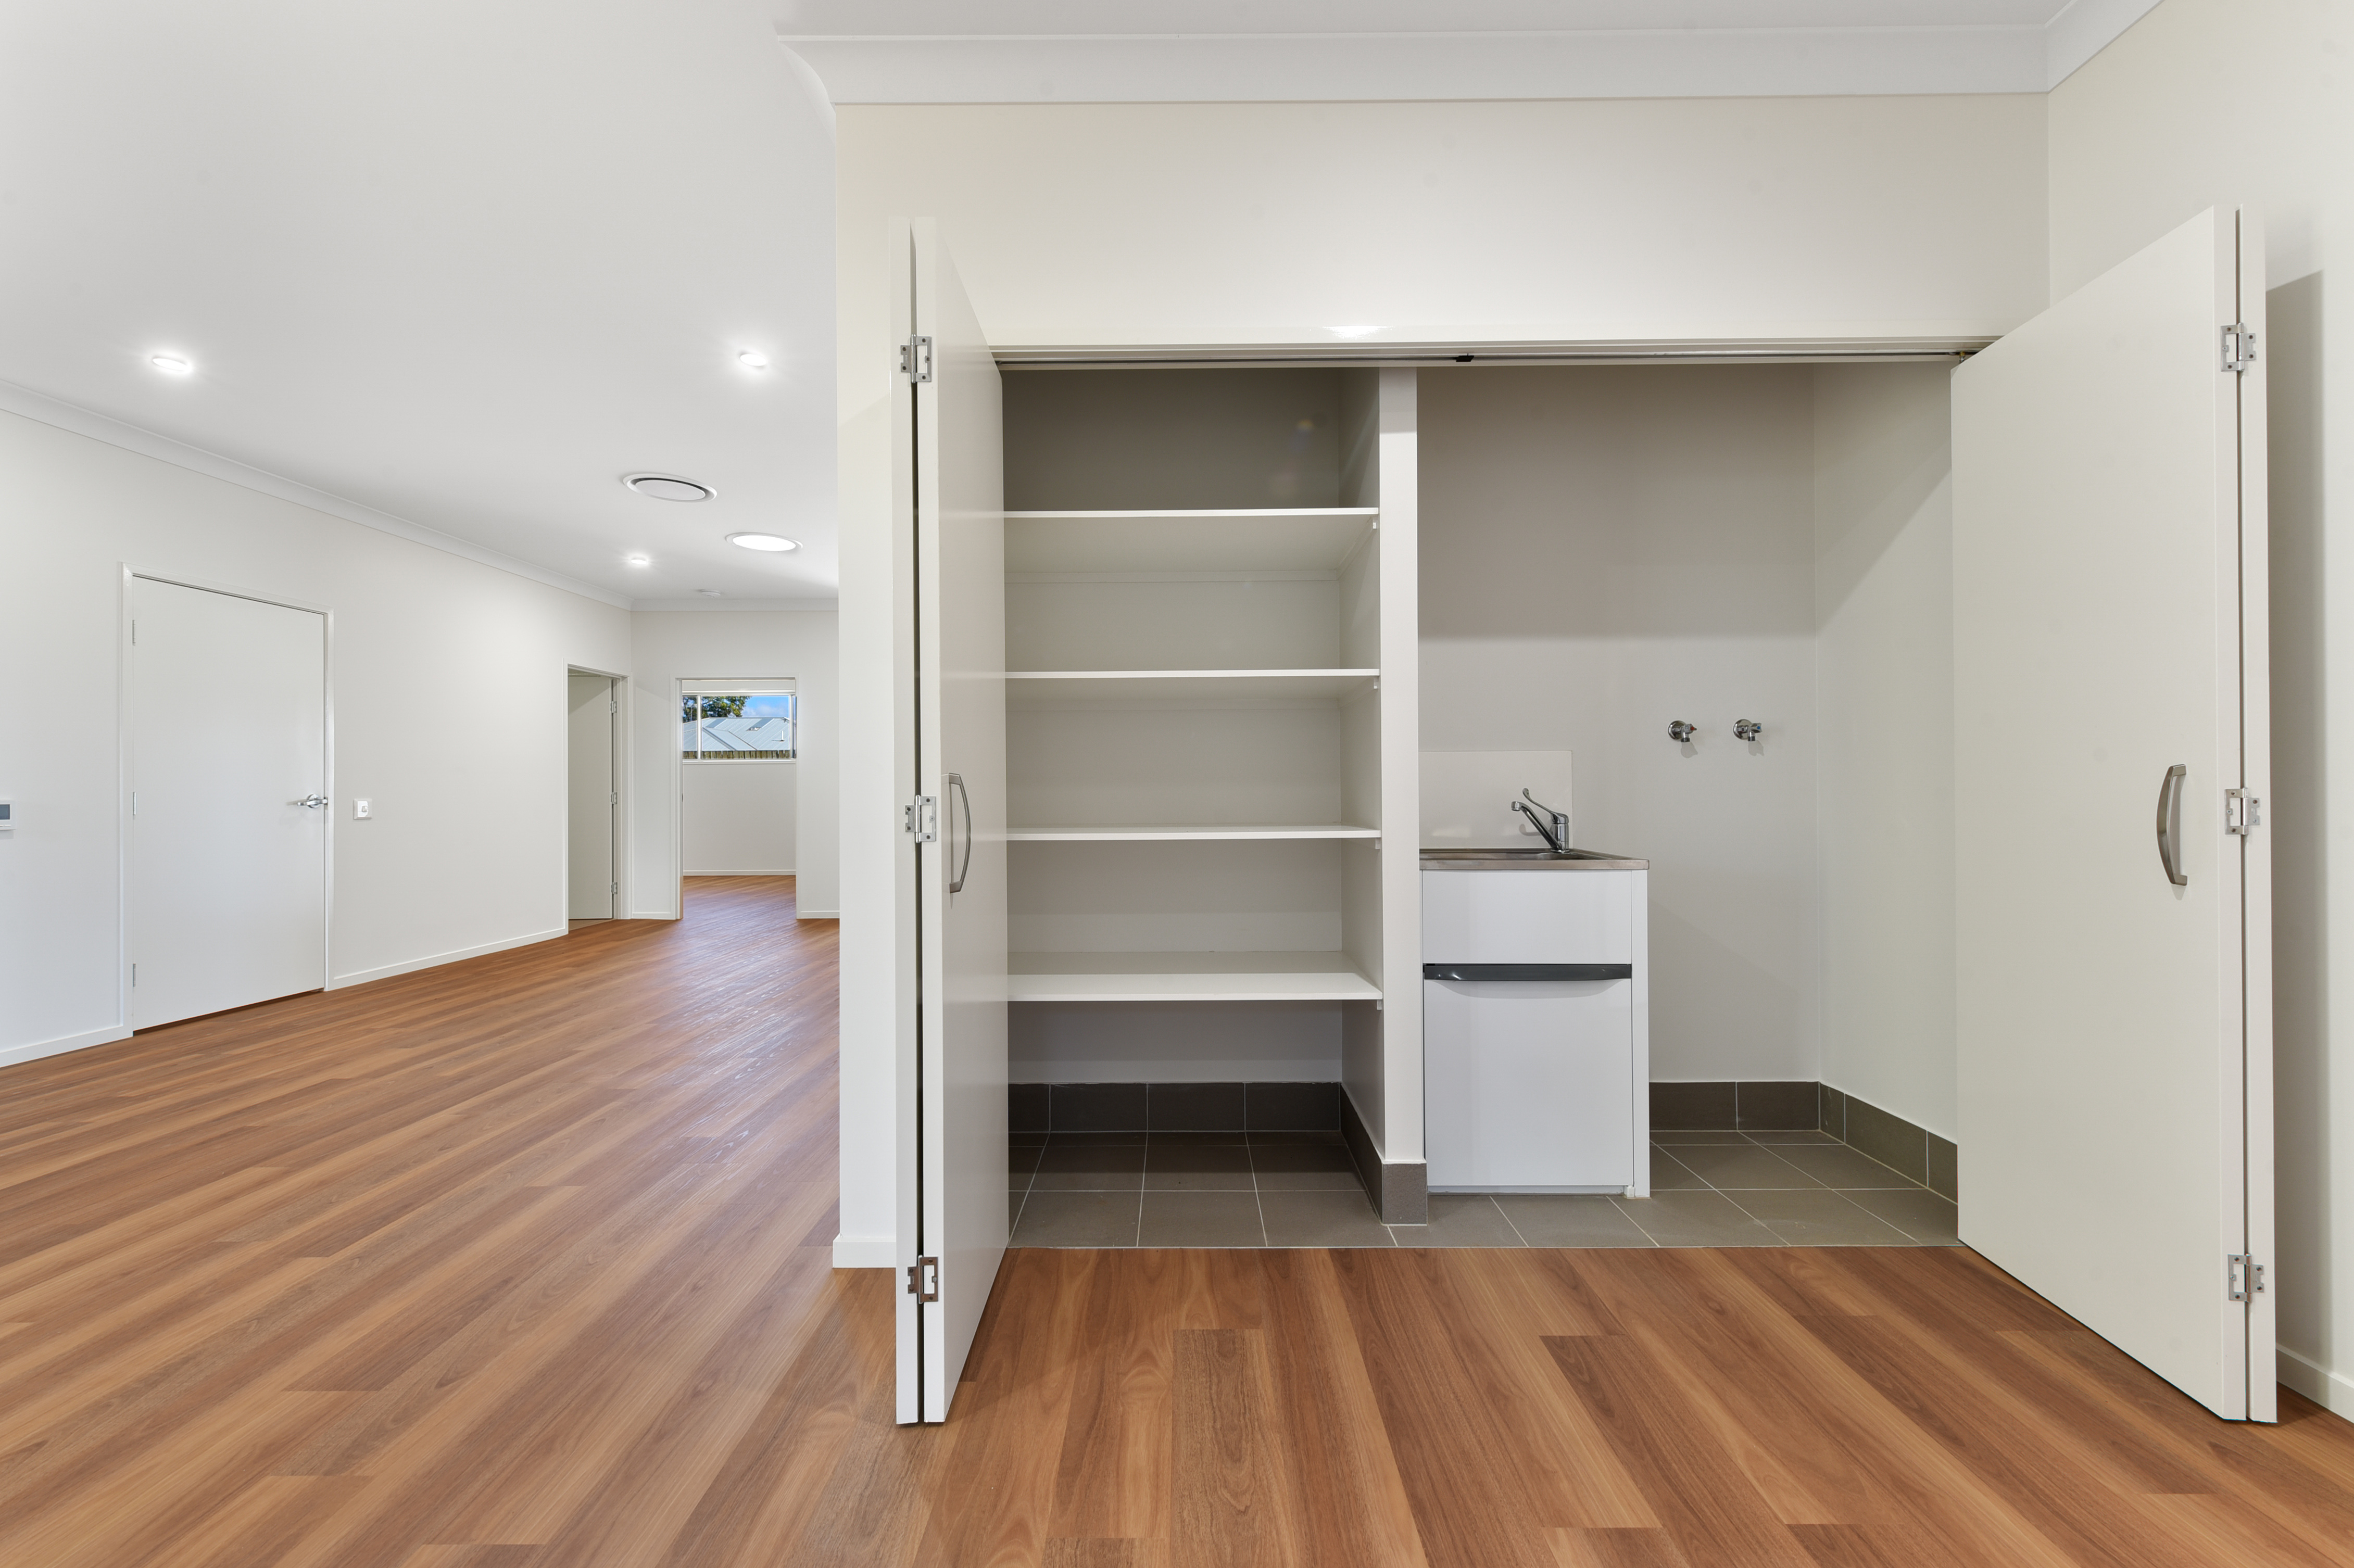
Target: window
(720,725)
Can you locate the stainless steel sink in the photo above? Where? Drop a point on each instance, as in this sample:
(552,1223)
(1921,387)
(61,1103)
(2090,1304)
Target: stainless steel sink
(1517,858)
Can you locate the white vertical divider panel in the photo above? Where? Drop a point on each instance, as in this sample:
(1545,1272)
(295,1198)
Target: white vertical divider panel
(1401,745)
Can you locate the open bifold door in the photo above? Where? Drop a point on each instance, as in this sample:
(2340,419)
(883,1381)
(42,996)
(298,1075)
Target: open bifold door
(2113,911)
(949,499)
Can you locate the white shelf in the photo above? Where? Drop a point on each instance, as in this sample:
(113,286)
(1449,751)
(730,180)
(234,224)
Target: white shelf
(1188,832)
(1267,539)
(1187,976)
(1062,688)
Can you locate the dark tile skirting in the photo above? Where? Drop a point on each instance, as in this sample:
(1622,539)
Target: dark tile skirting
(1400,1188)
(1173,1107)
(1908,1149)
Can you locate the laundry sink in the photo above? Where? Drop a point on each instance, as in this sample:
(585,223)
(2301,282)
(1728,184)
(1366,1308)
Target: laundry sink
(1470,859)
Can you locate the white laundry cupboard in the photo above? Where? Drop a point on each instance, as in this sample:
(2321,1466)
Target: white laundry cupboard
(1158,710)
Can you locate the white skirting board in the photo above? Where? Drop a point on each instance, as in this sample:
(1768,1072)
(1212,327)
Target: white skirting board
(412,964)
(2334,1392)
(13,1054)
(864,1251)
(788,871)
(817,915)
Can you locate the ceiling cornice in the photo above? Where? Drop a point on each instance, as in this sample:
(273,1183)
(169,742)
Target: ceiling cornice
(47,410)
(1339,66)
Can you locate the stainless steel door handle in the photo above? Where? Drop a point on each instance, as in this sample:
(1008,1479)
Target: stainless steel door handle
(314,801)
(2169,825)
(956,782)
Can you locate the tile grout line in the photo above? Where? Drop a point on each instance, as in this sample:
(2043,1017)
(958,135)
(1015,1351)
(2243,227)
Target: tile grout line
(1508,1221)
(1250,1153)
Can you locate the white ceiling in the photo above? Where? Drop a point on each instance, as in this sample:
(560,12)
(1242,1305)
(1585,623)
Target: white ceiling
(440,266)
(1039,51)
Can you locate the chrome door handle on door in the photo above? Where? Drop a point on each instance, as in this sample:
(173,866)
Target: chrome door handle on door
(2170,825)
(956,782)
(314,801)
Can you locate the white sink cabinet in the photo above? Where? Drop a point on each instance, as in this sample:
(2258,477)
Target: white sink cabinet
(1536,1026)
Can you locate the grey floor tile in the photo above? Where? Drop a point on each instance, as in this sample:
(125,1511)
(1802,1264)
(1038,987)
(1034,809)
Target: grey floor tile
(1732,1167)
(1263,1139)
(1322,1219)
(1693,1219)
(1197,1168)
(1019,1139)
(1090,1168)
(1022,1160)
(1200,1218)
(1697,1134)
(1162,1139)
(1301,1157)
(1841,1167)
(1667,1171)
(1794,1134)
(1819,1219)
(1460,1219)
(1078,1218)
(1345,1180)
(1923,1215)
(1013,1201)
(1095,1140)
(1570,1219)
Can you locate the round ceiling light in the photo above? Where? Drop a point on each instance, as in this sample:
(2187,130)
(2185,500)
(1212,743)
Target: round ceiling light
(639,560)
(752,359)
(170,364)
(668,487)
(764,541)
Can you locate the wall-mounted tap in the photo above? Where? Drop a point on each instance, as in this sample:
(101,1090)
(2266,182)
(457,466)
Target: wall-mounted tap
(1553,826)
(1749,729)
(1681,733)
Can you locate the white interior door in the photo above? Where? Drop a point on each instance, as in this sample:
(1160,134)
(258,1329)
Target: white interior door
(952,485)
(2113,936)
(592,879)
(228,870)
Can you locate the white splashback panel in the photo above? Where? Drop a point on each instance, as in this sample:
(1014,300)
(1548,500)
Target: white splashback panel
(1467,796)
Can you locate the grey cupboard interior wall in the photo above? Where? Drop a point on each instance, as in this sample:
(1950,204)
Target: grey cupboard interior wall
(1605,550)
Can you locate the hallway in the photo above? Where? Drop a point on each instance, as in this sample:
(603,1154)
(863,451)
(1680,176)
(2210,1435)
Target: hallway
(525,1261)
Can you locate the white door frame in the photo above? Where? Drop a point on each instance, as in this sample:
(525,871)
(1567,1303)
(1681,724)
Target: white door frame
(678,783)
(622,901)
(125,573)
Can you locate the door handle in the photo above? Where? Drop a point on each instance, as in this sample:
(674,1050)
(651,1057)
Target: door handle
(956,782)
(2170,825)
(314,801)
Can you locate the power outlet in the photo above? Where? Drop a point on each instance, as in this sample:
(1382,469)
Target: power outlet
(361,811)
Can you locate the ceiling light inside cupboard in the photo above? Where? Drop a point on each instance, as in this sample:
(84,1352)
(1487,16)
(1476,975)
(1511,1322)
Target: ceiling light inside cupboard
(170,364)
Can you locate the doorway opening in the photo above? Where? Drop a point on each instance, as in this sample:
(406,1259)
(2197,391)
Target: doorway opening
(592,880)
(738,784)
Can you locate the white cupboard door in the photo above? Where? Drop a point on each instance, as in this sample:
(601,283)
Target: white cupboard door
(228,868)
(2112,941)
(957,494)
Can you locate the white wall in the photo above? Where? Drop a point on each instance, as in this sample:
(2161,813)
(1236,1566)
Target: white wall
(1257,222)
(449,685)
(1604,551)
(2141,139)
(737,818)
(1884,712)
(670,646)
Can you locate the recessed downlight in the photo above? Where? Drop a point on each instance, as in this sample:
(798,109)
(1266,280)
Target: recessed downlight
(710,593)
(170,364)
(751,359)
(668,487)
(639,560)
(764,541)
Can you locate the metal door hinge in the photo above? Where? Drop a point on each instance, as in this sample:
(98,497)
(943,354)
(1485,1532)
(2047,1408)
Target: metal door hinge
(2243,813)
(916,359)
(612,887)
(924,819)
(924,1279)
(2242,1277)
(2239,347)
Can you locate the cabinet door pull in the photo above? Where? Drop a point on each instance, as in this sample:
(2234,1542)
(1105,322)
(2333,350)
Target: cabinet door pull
(2170,825)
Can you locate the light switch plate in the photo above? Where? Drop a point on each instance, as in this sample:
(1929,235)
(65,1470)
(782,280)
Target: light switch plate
(359,809)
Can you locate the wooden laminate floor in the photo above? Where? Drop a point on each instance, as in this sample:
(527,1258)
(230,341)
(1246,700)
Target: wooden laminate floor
(524,1262)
